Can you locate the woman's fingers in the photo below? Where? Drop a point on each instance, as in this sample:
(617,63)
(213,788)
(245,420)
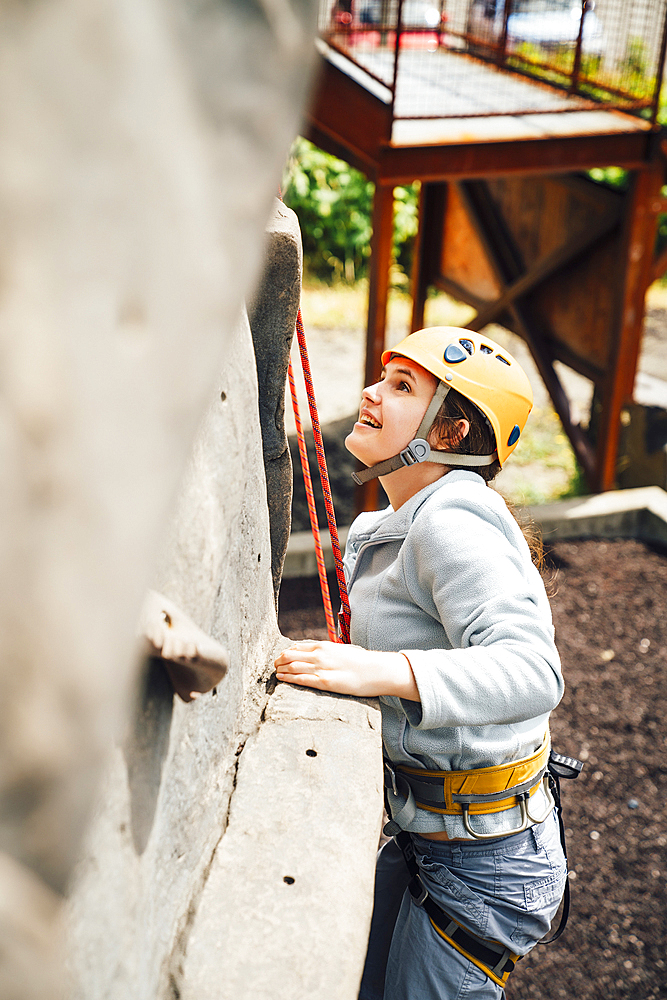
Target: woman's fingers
(302,679)
(305,651)
(301,663)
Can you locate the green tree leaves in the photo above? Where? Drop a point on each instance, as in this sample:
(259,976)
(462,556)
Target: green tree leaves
(334,202)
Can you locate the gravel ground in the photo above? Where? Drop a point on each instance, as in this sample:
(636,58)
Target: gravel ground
(609,601)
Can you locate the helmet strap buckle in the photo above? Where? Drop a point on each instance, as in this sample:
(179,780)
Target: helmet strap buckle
(417,451)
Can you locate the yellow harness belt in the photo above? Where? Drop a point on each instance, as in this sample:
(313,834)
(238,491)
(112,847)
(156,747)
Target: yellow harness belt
(477,792)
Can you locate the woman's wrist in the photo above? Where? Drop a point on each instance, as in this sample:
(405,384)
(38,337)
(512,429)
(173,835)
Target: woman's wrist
(396,677)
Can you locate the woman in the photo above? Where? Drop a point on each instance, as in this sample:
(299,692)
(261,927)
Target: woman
(451,628)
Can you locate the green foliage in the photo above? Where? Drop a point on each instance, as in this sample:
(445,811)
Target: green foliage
(578,486)
(333,203)
(635,65)
(613,177)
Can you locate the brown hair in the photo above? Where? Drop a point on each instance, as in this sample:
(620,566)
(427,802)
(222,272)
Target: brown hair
(481,440)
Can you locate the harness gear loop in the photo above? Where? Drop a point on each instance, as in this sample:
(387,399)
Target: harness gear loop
(344,614)
(523,799)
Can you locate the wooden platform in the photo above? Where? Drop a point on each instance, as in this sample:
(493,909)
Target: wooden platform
(352,116)
(507,223)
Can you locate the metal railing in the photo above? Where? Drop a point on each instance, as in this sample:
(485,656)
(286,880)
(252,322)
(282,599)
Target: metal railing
(584,53)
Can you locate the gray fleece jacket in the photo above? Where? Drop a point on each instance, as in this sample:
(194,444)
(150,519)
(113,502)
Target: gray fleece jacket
(448,580)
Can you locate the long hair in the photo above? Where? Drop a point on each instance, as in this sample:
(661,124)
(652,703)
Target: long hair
(481,440)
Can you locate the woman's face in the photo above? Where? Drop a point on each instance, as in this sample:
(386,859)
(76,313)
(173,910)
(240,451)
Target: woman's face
(391,411)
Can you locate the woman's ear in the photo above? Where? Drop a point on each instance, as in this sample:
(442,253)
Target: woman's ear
(452,434)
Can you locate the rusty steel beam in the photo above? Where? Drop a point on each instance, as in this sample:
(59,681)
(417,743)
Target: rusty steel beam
(349,115)
(330,145)
(427,249)
(378,294)
(637,263)
(506,265)
(545,268)
(553,155)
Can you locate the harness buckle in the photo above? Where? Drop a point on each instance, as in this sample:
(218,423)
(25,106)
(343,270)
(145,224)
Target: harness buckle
(417,891)
(392,775)
(417,451)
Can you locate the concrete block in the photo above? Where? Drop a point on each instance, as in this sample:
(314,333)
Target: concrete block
(639,513)
(287,904)
(642,449)
(272,313)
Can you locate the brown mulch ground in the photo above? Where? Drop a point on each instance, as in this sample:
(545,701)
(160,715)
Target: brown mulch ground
(610,612)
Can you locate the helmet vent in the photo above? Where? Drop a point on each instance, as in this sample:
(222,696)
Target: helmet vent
(501,358)
(486,350)
(468,346)
(514,436)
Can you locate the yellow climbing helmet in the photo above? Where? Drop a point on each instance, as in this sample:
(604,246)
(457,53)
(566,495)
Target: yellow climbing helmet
(481,370)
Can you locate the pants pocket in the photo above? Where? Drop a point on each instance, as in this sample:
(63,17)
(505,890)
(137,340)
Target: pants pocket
(462,900)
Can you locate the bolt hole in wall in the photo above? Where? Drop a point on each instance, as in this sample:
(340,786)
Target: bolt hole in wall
(311,753)
(288,880)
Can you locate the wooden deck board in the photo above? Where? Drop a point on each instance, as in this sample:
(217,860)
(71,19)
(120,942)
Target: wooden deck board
(430,132)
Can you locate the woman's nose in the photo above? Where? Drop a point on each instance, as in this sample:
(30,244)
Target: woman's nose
(371,392)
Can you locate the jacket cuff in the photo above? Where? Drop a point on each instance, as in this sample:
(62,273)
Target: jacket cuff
(422,714)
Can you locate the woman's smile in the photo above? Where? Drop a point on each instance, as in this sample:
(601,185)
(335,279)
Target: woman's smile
(367,419)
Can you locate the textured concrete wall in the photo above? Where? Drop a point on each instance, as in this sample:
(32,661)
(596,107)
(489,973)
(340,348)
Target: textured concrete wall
(140,148)
(166,800)
(234,845)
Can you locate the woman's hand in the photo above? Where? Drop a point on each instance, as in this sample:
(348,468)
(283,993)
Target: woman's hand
(345,669)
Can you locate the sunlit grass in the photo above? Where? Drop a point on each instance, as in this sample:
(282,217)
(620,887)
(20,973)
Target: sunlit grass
(345,307)
(544,440)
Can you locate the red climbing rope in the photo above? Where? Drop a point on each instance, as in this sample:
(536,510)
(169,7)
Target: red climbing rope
(308,483)
(344,614)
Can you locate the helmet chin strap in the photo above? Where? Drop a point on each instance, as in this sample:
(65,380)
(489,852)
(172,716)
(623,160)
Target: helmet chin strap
(419,450)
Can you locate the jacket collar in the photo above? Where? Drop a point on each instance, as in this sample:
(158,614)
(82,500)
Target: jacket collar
(390,523)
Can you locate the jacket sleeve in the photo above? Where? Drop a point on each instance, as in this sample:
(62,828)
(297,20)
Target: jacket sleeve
(473,573)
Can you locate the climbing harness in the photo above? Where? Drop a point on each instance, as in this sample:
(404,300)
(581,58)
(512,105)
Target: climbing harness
(467,793)
(496,961)
(344,613)
(489,956)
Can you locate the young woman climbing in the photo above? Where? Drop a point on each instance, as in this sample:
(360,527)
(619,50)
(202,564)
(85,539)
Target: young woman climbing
(451,629)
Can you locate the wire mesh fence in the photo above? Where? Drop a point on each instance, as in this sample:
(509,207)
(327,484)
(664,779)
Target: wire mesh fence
(467,58)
